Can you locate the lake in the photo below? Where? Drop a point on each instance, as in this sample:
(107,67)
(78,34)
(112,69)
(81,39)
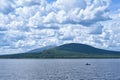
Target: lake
(59,69)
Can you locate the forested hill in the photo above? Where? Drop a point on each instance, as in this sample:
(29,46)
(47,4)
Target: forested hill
(72,50)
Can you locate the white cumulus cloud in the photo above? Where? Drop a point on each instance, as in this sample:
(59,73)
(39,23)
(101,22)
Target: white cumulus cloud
(29,24)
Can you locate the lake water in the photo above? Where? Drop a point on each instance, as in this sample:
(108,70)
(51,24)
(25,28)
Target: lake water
(59,69)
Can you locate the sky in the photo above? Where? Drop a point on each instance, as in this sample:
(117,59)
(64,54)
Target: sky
(30,24)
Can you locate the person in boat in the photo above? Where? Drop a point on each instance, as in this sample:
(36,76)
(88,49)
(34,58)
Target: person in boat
(88,64)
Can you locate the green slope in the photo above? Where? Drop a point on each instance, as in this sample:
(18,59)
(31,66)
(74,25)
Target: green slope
(72,50)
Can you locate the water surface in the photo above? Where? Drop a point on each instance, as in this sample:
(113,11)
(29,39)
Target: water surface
(59,69)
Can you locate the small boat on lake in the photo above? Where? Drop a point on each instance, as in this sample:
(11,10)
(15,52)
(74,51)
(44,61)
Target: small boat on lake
(87,64)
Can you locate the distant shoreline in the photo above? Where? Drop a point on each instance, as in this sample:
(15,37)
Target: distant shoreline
(63,58)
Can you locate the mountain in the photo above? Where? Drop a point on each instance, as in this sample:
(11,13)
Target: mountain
(72,50)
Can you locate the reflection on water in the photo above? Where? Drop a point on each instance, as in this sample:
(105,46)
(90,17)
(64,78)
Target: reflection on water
(59,69)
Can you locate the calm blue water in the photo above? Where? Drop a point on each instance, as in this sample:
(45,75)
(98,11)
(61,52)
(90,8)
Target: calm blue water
(59,69)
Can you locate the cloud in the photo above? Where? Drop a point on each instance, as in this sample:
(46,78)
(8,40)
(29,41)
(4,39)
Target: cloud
(79,12)
(60,4)
(6,6)
(96,29)
(29,24)
(27,2)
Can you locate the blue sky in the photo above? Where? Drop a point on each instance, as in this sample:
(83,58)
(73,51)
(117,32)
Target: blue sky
(30,24)
(115,4)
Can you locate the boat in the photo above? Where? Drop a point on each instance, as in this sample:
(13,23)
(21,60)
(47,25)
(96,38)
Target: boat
(87,64)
